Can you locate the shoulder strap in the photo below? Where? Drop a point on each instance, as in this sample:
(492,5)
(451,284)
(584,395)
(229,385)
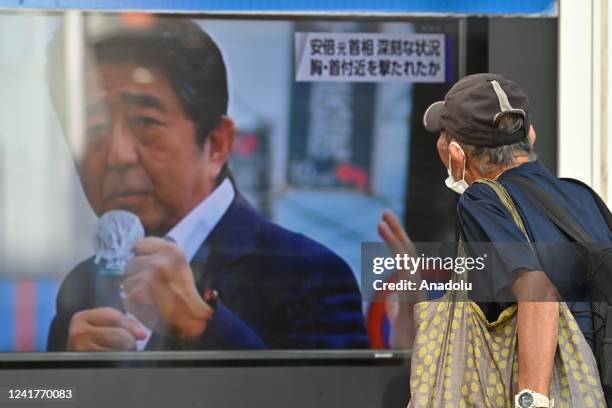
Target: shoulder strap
(508,203)
(603,208)
(552,209)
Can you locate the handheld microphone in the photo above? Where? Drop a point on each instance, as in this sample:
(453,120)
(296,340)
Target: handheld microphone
(116,233)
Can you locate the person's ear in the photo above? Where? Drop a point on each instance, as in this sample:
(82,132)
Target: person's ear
(220,145)
(442,147)
(532,134)
(457,160)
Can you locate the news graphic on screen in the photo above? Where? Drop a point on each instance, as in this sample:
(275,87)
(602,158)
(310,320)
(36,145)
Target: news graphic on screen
(179,183)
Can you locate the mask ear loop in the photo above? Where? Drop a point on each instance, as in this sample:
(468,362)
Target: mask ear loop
(449,160)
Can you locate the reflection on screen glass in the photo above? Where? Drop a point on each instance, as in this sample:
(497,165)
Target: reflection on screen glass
(255,156)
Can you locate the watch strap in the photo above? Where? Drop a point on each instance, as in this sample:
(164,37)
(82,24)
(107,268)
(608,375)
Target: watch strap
(539,400)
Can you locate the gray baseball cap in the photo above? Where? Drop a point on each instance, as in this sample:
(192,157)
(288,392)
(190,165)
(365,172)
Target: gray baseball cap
(471,110)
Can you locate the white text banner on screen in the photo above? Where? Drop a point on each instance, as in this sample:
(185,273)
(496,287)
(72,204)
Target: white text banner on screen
(369,57)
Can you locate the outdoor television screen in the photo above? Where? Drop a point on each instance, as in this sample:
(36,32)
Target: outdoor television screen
(188,183)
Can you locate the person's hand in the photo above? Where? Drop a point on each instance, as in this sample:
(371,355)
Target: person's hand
(160,291)
(103,329)
(391,231)
(400,305)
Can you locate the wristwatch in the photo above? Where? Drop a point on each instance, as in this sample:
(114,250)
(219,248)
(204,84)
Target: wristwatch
(527,398)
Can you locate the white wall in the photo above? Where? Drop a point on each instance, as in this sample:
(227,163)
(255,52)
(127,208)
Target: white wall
(584,93)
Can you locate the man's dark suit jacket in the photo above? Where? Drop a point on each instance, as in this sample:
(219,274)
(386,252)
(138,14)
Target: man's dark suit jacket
(276,290)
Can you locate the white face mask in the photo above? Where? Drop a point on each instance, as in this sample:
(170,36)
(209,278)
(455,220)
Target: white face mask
(458,186)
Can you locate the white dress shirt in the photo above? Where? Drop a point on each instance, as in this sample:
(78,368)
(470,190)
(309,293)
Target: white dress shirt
(194,228)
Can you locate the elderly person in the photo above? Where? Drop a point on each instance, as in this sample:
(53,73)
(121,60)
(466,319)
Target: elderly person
(484,132)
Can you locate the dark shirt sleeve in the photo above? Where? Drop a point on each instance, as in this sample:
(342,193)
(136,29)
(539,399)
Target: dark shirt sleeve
(57,338)
(488,228)
(75,293)
(226,331)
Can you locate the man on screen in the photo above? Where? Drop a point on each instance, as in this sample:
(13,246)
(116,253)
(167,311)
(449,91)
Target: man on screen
(211,273)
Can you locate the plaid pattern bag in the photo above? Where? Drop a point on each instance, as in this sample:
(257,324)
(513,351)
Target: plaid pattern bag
(459,359)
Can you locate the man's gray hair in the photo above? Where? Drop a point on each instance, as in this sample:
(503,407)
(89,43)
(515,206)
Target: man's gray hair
(489,158)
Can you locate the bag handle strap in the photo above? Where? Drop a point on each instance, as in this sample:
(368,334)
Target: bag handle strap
(508,203)
(603,208)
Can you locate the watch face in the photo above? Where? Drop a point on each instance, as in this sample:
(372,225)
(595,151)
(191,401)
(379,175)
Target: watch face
(525,400)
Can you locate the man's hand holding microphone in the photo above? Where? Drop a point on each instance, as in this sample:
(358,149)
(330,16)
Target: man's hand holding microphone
(158,291)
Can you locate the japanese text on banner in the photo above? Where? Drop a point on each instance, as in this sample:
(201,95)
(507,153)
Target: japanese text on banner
(370,57)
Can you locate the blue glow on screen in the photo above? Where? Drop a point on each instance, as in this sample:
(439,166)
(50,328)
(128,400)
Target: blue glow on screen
(548,7)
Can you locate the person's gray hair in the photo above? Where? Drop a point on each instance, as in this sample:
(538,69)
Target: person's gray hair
(489,158)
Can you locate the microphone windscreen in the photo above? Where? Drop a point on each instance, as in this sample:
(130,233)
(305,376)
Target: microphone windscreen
(115,234)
